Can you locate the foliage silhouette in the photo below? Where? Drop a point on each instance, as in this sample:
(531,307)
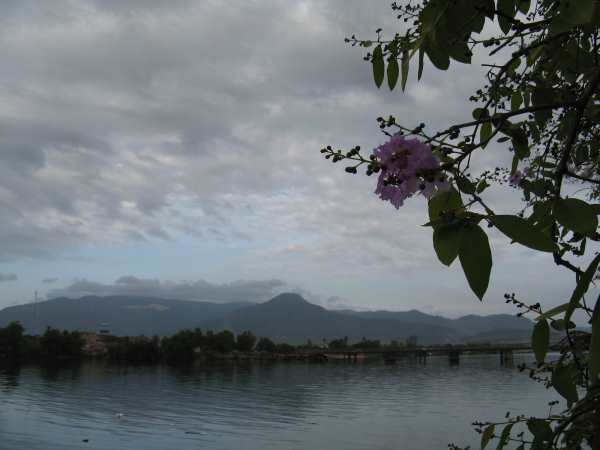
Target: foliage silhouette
(540,101)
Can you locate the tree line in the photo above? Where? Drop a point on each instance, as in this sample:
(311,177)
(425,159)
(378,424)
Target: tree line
(183,347)
(54,345)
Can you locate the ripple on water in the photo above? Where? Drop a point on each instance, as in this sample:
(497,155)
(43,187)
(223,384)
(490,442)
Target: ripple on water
(407,406)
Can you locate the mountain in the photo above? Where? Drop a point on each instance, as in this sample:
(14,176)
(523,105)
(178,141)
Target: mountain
(285,318)
(290,318)
(123,315)
(466,325)
(504,336)
(480,324)
(406,316)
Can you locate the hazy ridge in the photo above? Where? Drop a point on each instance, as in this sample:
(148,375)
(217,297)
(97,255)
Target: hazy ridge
(285,318)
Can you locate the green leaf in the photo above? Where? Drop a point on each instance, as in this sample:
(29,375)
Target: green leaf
(460,52)
(438,57)
(576,215)
(392,73)
(596,208)
(515,100)
(378,65)
(482,186)
(464,184)
(487,435)
(431,14)
(476,259)
(478,22)
(521,231)
(446,242)
(582,287)
(594,364)
(511,70)
(540,340)
(524,6)
(562,380)
(520,144)
(405,67)
(504,436)
(542,96)
(514,165)
(539,187)
(420,71)
(485,133)
(581,154)
(540,429)
(488,7)
(577,13)
(444,202)
(480,113)
(506,8)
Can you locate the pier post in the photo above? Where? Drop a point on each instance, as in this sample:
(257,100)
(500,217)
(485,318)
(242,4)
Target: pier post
(454,357)
(506,358)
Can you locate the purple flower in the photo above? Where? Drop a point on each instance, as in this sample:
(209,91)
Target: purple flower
(516,178)
(408,167)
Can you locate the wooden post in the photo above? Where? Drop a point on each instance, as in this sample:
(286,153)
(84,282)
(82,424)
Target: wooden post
(454,357)
(422,356)
(506,358)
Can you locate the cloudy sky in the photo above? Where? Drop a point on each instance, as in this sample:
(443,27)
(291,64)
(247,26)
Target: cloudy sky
(172,148)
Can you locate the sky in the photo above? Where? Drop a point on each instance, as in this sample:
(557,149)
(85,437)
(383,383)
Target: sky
(172,149)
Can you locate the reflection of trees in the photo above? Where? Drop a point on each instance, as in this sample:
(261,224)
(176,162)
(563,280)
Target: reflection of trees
(58,372)
(9,377)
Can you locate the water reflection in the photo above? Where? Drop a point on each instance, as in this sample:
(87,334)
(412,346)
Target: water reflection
(57,371)
(352,406)
(9,377)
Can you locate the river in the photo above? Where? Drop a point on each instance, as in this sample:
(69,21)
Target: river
(329,406)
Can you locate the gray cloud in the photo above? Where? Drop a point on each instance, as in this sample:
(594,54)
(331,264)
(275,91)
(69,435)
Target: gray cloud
(147,122)
(337,302)
(242,290)
(8,277)
(135,122)
(49,280)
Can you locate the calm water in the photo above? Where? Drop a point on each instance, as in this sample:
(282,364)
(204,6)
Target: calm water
(293,406)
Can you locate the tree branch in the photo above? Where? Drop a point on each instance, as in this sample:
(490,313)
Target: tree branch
(581,177)
(580,107)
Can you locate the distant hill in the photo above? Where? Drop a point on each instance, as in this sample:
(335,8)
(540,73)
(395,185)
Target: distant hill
(500,336)
(290,318)
(466,325)
(406,316)
(285,318)
(124,315)
(473,324)
(508,336)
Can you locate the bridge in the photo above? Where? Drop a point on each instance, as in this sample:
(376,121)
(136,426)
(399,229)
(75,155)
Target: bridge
(391,354)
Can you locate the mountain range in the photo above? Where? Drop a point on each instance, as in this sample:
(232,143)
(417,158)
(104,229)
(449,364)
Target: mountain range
(123,315)
(285,318)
